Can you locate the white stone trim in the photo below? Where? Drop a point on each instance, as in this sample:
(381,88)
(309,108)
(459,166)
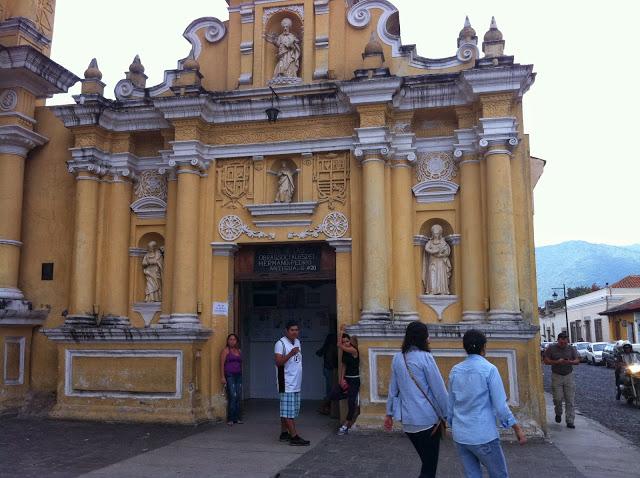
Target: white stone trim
(283,223)
(216,31)
(438,144)
(11,293)
(21,341)
(321,7)
(341,245)
(17,114)
(428,192)
(70,354)
(226,249)
(137,251)
(508,354)
(147,310)
(439,303)
(10,242)
(149,208)
(246,47)
(17,140)
(282,209)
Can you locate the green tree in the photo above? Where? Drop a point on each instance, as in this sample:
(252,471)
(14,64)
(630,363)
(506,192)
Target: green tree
(580,290)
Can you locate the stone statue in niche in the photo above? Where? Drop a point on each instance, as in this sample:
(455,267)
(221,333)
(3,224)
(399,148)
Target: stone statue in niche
(286,186)
(288,56)
(436,268)
(152,266)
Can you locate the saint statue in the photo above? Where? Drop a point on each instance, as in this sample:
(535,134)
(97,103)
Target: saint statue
(436,268)
(152,266)
(288,45)
(286,187)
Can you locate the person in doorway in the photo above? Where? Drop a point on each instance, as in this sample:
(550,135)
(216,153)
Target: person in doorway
(349,384)
(329,354)
(624,356)
(417,397)
(231,373)
(288,357)
(476,399)
(562,357)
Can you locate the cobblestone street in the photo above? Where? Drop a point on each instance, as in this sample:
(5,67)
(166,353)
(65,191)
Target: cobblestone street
(595,398)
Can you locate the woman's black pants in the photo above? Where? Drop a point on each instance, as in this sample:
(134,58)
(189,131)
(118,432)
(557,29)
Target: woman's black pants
(428,448)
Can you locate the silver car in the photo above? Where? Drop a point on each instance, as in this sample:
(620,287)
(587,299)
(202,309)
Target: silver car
(582,350)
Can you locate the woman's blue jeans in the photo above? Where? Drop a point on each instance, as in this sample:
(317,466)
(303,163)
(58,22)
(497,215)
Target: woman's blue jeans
(488,454)
(234,395)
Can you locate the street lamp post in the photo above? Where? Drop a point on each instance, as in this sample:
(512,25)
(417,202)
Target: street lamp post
(566,314)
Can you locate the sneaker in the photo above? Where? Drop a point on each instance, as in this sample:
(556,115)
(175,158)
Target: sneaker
(570,425)
(558,419)
(299,441)
(343,430)
(284,436)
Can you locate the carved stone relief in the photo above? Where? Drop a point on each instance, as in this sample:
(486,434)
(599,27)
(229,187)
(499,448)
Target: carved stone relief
(334,226)
(151,184)
(8,100)
(231,228)
(44,17)
(234,181)
(331,175)
(435,167)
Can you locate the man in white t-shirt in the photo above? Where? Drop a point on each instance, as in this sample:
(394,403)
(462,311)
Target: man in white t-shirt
(288,356)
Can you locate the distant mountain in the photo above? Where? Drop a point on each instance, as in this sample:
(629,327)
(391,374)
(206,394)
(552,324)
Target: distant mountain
(579,263)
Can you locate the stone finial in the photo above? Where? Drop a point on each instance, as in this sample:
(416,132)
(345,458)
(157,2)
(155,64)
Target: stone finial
(373,55)
(467,34)
(93,72)
(136,73)
(493,44)
(91,85)
(189,77)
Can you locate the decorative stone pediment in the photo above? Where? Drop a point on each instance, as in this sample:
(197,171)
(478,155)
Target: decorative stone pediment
(435,191)
(435,172)
(149,207)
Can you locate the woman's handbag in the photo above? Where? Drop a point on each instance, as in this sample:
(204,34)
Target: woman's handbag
(441,426)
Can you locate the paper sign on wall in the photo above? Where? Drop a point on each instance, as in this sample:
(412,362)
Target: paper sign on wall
(221,308)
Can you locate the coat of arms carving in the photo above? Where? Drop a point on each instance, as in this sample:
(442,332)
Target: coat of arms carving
(331,174)
(234,181)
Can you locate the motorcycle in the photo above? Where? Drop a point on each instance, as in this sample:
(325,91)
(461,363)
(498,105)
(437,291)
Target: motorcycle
(630,386)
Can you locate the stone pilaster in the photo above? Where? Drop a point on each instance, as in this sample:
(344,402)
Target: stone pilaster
(116,292)
(15,144)
(372,150)
(404,299)
(344,302)
(189,164)
(472,225)
(497,137)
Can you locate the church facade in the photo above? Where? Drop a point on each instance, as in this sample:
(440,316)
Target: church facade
(299,163)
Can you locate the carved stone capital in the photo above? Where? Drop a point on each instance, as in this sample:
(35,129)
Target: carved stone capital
(341,245)
(466,143)
(18,140)
(189,153)
(498,132)
(372,143)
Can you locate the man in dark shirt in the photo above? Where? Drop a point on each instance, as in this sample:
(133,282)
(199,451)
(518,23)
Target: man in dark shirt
(562,357)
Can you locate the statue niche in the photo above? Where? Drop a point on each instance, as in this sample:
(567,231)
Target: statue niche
(436,266)
(285,182)
(288,53)
(153,267)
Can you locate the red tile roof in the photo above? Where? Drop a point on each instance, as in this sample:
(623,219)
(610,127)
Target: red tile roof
(629,282)
(632,306)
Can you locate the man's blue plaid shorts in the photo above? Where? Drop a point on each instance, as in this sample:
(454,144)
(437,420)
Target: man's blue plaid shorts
(289,404)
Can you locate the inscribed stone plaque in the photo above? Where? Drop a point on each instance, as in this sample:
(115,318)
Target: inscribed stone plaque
(287,259)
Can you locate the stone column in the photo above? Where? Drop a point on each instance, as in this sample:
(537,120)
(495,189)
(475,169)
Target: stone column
(344,302)
(497,140)
(472,225)
(85,244)
(15,143)
(185,270)
(169,246)
(375,281)
(404,297)
(116,293)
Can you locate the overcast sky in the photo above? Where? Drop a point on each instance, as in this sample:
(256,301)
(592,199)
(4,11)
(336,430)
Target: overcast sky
(582,112)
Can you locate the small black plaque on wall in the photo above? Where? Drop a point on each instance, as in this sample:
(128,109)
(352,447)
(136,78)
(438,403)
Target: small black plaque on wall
(47,271)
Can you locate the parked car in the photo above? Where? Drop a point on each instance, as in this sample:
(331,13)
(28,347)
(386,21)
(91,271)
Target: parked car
(609,355)
(594,352)
(582,350)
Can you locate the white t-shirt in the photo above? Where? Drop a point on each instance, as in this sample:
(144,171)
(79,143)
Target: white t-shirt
(293,366)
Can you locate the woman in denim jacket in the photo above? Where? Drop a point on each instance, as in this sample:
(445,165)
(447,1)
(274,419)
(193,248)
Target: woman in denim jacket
(406,401)
(476,400)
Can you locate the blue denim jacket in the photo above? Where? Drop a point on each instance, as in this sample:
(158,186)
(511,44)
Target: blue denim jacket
(415,409)
(476,399)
